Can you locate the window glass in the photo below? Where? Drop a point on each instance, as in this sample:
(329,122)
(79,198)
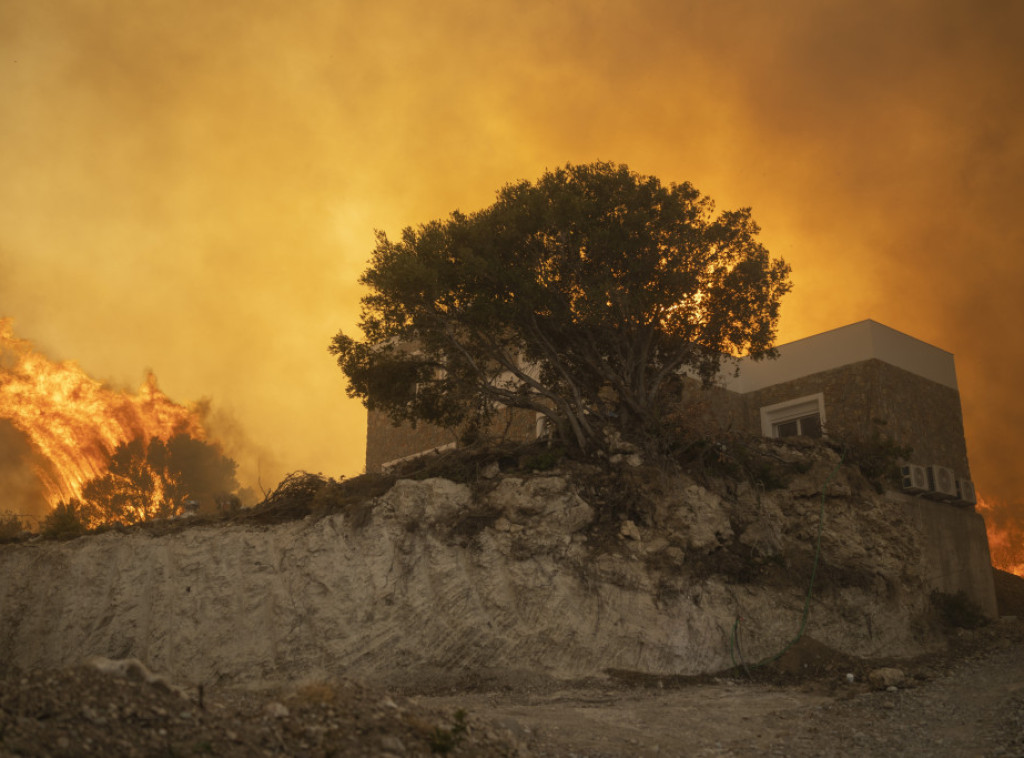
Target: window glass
(810,426)
(806,426)
(787,429)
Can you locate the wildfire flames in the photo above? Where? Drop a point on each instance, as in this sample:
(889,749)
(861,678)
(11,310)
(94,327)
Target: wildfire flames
(75,424)
(1005,535)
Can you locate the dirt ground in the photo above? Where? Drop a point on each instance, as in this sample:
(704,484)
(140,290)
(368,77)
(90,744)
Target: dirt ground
(967,701)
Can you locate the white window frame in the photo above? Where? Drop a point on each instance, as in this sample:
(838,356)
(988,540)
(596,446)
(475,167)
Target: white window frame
(790,410)
(440,374)
(542,429)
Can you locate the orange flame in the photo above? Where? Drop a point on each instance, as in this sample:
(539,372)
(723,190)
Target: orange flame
(73,422)
(1005,526)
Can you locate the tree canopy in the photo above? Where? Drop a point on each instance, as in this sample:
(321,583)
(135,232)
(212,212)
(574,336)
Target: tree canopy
(583,296)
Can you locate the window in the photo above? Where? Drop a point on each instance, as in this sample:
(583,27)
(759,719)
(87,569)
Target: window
(438,374)
(805,426)
(803,417)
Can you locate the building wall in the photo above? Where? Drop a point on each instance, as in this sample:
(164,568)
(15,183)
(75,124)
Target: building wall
(872,395)
(860,399)
(955,556)
(712,409)
(846,345)
(387,442)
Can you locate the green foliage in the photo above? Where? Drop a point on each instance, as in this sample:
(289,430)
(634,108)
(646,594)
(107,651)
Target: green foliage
(64,521)
(580,297)
(11,525)
(443,741)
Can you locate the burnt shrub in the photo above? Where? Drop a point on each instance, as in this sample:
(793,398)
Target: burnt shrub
(957,610)
(64,522)
(11,526)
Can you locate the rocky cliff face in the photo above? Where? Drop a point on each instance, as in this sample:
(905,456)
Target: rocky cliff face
(518,575)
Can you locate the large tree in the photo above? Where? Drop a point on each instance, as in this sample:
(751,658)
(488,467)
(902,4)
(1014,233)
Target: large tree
(583,297)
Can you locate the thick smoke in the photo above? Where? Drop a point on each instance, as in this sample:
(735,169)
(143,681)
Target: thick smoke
(194,186)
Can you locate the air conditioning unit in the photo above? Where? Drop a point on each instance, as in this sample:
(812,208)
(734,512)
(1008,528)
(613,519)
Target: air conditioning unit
(942,483)
(915,478)
(965,492)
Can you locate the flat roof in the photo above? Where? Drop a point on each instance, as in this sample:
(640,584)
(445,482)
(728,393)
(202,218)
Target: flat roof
(854,343)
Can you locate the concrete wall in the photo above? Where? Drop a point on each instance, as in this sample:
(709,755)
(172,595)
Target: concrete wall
(954,551)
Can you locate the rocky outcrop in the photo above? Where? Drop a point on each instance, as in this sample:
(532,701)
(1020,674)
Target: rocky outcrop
(517,576)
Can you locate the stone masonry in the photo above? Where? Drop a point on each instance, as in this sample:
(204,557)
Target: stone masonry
(873,397)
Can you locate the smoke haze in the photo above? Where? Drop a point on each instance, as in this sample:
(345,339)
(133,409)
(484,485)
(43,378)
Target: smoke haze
(193,187)
(21,491)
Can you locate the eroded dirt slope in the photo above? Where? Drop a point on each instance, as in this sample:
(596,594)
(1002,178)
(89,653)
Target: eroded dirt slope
(514,575)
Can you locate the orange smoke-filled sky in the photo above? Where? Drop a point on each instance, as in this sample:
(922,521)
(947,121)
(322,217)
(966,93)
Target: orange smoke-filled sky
(193,187)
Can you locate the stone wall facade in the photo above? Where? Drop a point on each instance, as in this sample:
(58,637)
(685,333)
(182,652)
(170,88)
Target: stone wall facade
(860,400)
(386,442)
(874,397)
(710,409)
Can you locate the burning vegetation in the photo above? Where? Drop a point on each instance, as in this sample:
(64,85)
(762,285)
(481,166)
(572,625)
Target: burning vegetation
(1005,535)
(71,443)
